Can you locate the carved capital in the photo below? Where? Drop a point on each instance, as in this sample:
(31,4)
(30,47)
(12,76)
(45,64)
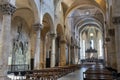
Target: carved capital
(37,26)
(53,35)
(116,20)
(7,8)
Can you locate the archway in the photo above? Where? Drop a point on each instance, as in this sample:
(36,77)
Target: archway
(59,31)
(91,43)
(46,40)
(82,14)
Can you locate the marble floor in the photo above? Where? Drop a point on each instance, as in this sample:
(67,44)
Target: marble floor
(77,75)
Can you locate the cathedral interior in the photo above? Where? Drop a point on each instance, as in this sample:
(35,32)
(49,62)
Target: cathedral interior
(58,37)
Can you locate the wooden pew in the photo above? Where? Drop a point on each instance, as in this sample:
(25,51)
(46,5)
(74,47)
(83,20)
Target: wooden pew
(50,73)
(97,72)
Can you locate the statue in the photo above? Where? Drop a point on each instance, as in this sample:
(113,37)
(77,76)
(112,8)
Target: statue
(20,49)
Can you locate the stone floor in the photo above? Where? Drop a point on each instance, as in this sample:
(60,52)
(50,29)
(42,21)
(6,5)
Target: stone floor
(77,75)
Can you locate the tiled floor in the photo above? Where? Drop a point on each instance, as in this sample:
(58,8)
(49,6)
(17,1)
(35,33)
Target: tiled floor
(77,75)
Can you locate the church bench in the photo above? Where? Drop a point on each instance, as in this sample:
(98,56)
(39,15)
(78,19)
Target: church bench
(98,77)
(97,72)
(50,73)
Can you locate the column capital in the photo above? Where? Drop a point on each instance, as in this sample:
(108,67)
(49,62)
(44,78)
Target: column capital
(53,35)
(37,26)
(7,8)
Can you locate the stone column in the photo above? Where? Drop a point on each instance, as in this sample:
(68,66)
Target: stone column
(53,37)
(105,53)
(108,54)
(76,55)
(116,22)
(111,54)
(72,54)
(7,9)
(37,28)
(44,53)
(79,55)
(32,50)
(69,53)
(63,51)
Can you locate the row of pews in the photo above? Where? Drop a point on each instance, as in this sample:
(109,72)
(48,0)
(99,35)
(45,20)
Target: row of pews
(47,73)
(92,60)
(97,72)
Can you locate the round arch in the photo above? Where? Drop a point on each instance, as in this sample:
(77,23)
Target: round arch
(80,25)
(83,4)
(90,24)
(78,4)
(85,38)
(48,25)
(28,18)
(36,11)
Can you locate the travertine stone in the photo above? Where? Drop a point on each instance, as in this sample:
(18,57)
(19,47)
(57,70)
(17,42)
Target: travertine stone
(6,42)
(53,37)
(69,52)
(7,9)
(37,28)
(62,52)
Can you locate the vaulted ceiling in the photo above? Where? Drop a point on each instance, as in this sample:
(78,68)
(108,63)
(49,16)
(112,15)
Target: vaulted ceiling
(77,10)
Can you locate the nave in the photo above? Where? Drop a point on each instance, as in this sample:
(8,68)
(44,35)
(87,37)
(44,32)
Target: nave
(77,75)
(91,72)
(52,38)
(74,72)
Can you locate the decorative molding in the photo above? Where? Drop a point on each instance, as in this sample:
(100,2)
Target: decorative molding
(7,8)
(116,20)
(53,35)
